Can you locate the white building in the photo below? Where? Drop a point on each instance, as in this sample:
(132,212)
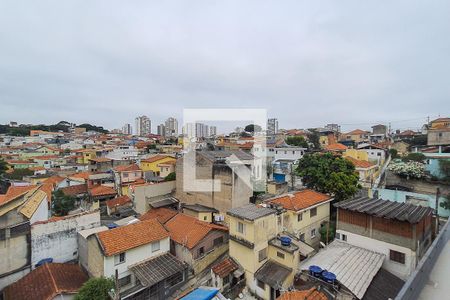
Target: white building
(161,130)
(143,126)
(127,129)
(272,126)
(123,152)
(171,127)
(212,131)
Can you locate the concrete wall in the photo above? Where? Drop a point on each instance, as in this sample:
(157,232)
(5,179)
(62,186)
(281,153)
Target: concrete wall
(41,213)
(438,137)
(142,194)
(58,239)
(95,265)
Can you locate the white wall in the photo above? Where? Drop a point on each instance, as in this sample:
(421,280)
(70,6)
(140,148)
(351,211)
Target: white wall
(58,239)
(41,213)
(291,153)
(398,269)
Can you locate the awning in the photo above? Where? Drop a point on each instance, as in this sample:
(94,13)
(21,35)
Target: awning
(154,270)
(273,274)
(164,202)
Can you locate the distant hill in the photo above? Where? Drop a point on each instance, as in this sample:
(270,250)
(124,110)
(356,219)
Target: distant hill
(24,130)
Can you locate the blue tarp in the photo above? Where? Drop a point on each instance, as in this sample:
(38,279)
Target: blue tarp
(201,294)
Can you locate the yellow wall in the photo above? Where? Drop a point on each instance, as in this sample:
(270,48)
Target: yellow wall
(356,154)
(323,140)
(153,166)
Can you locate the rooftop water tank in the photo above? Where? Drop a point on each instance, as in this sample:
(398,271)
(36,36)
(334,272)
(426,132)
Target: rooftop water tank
(315,271)
(44,261)
(111,226)
(328,277)
(285,241)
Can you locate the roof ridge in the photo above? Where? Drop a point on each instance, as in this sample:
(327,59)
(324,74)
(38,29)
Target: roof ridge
(51,277)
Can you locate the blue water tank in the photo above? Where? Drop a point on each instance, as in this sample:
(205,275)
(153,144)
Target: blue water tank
(315,271)
(112,226)
(285,241)
(328,277)
(44,261)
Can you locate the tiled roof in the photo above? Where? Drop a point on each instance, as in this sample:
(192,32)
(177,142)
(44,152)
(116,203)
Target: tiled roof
(301,199)
(336,147)
(53,180)
(46,157)
(81,175)
(14,192)
(162,214)
(250,212)
(359,163)
(46,282)
(127,237)
(126,168)
(189,231)
(357,132)
(100,159)
(225,267)
(156,158)
(311,294)
(101,190)
(119,201)
(75,190)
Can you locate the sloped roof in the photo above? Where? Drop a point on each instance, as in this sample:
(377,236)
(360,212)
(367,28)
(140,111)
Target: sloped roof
(75,190)
(162,214)
(359,163)
(336,147)
(127,237)
(385,285)
(400,211)
(272,273)
(353,266)
(14,192)
(157,157)
(189,231)
(118,201)
(301,199)
(357,132)
(225,267)
(32,204)
(127,168)
(46,282)
(101,190)
(311,294)
(81,175)
(251,212)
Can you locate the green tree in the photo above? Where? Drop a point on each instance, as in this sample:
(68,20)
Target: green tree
(172,176)
(415,156)
(61,203)
(18,174)
(252,128)
(95,289)
(394,153)
(327,173)
(3,166)
(297,141)
(323,232)
(314,138)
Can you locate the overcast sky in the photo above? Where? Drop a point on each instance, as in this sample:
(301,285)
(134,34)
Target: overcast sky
(308,62)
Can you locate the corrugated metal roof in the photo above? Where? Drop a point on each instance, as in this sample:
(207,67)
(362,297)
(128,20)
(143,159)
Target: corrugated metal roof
(386,209)
(273,274)
(353,266)
(251,212)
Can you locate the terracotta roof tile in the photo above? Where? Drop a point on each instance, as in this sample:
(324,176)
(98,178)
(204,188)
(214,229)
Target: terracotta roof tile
(162,214)
(156,158)
(100,159)
(14,192)
(359,163)
(127,237)
(311,294)
(357,132)
(75,190)
(119,201)
(301,200)
(81,175)
(225,267)
(46,282)
(101,190)
(189,231)
(336,147)
(132,167)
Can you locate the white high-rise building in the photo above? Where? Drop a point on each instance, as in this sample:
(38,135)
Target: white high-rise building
(212,130)
(161,130)
(171,127)
(143,126)
(272,126)
(127,129)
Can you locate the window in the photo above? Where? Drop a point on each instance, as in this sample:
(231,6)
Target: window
(378,154)
(218,241)
(262,254)
(119,258)
(299,217)
(260,284)
(155,246)
(344,237)
(205,218)
(125,175)
(338,236)
(280,254)
(201,251)
(397,256)
(125,280)
(293,152)
(241,227)
(313,233)
(313,212)
(174,279)
(302,237)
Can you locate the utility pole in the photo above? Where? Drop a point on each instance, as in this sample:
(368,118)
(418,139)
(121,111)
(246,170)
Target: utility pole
(438,193)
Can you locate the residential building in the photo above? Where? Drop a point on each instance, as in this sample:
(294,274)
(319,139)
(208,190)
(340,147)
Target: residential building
(152,195)
(171,127)
(272,126)
(400,231)
(333,127)
(366,171)
(269,262)
(212,131)
(143,126)
(123,152)
(219,165)
(305,213)
(439,132)
(283,160)
(229,277)
(375,154)
(161,131)
(138,254)
(151,164)
(357,135)
(49,281)
(200,212)
(126,175)
(127,129)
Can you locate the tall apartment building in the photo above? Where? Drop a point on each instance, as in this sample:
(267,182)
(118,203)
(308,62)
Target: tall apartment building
(161,130)
(143,125)
(127,129)
(171,127)
(272,126)
(212,130)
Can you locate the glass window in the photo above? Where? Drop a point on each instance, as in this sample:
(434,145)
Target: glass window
(261,284)
(280,254)
(155,246)
(344,237)
(302,237)
(125,280)
(119,258)
(218,241)
(313,233)
(262,254)
(397,256)
(201,251)
(313,212)
(299,217)
(241,227)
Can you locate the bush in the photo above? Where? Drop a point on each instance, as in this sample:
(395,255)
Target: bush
(393,153)
(417,157)
(410,169)
(172,176)
(95,289)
